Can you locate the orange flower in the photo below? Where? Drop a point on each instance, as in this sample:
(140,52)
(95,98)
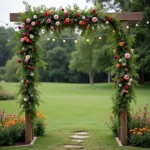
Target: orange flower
(118,65)
(49,12)
(67,20)
(121,44)
(81,22)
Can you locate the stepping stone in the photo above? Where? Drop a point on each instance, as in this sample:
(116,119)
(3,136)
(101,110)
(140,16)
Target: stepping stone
(80,133)
(73,146)
(77,140)
(79,136)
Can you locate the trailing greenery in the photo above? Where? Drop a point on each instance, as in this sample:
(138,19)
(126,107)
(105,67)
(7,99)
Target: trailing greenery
(86,21)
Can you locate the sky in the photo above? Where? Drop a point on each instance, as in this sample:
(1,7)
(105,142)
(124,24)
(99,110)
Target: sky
(15,6)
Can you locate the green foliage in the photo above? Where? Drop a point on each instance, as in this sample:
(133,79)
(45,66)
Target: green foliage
(113,125)
(11,135)
(39,127)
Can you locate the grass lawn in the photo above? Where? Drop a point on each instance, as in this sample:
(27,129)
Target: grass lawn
(75,107)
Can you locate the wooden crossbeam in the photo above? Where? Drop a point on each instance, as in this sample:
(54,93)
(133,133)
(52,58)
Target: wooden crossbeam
(123,16)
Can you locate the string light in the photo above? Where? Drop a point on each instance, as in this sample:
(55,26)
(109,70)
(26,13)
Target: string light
(75,41)
(64,41)
(127,27)
(100,38)
(87,40)
(48,39)
(53,40)
(147,22)
(137,25)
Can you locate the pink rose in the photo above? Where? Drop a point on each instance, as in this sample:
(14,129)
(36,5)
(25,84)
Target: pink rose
(57,23)
(28,20)
(48,20)
(126,77)
(94,19)
(26,60)
(22,40)
(56,16)
(127,55)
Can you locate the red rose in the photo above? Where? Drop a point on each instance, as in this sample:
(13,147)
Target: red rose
(72,22)
(126,87)
(86,20)
(115,57)
(58,29)
(25,51)
(27,27)
(19,27)
(45,14)
(111,19)
(31,68)
(66,14)
(25,34)
(104,19)
(94,11)
(19,61)
(77,15)
(21,53)
(122,79)
(65,22)
(62,9)
(36,23)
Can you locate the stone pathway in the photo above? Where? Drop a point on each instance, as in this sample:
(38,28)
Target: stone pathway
(78,138)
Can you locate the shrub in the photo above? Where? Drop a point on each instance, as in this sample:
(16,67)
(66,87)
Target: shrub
(39,125)
(6,96)
(140,128)
(12,128)
(140,137)
(113,124)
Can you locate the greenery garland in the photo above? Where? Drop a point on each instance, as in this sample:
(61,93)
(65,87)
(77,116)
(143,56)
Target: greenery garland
(85,20)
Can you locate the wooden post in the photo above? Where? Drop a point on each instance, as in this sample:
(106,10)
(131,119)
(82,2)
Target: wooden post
(28,129)
(123,115)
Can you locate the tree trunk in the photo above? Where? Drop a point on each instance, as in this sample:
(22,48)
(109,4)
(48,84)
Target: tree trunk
(91,77)
(108,77)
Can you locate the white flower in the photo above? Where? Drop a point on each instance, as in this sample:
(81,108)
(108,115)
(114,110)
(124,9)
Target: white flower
(124,64)
(27,56)
(120,85)
(25,99)
(130,80)
(57,23)
(56,17)
(120,60)
(107,22)
(23,48)
(31,95)
(52,27)
(33,23)
(31,36)
(32,74)
(114,50)
(132,50)
(22,106)
(22,81)
(83,17)
(129,83)
(35,17)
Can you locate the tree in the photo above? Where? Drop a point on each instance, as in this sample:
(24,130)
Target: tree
(57,60)
(11,69)
(6,51)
